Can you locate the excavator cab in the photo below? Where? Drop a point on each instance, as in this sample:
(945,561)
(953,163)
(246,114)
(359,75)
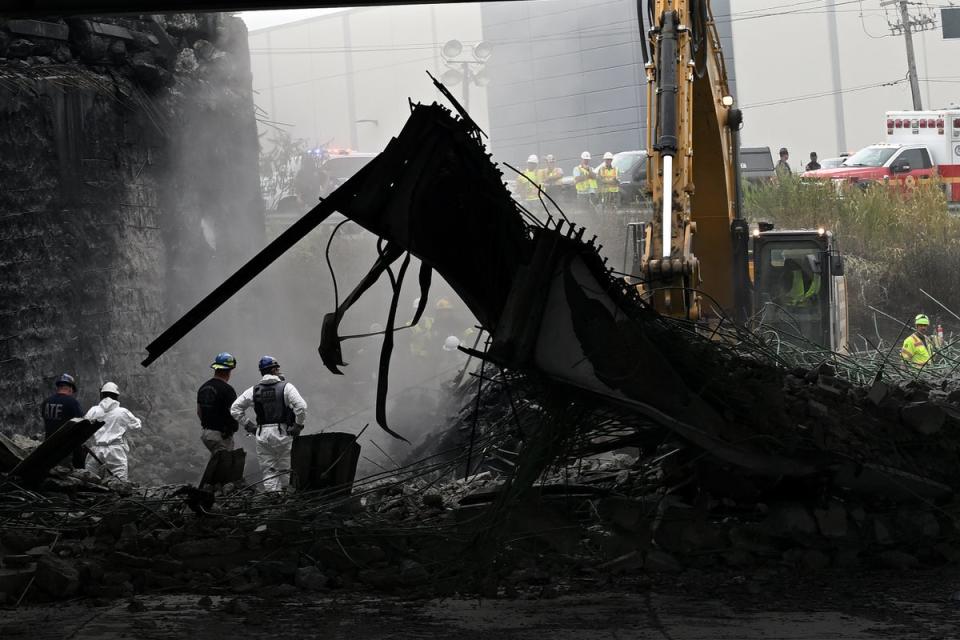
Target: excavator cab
(799,289)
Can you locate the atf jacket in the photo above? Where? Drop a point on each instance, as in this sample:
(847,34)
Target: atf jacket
(291,397)
(116,421)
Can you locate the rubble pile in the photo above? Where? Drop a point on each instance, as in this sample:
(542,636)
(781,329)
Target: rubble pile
(510,502)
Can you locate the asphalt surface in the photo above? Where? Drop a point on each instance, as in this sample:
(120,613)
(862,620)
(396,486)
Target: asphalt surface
(916,606)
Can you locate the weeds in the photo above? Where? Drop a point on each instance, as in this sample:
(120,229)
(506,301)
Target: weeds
(897,241)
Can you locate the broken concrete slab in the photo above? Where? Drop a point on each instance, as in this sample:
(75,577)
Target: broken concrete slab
(61,444)
(39,29)
(57,577)
(224,467)
(10,454)
(324,461)
(832,521)
(924,417)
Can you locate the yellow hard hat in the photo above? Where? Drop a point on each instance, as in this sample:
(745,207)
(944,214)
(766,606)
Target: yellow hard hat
(443,303)
(921,319)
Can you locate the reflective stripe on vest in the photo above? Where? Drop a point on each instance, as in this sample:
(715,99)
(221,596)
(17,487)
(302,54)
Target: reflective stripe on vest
(606,173)
(915,351)
(269,404)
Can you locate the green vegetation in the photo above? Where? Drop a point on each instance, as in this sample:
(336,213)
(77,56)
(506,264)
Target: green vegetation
(895,241)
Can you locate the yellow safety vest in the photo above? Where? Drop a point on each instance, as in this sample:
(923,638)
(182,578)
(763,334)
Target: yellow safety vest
(607,173)
(545,174)
(530,192)
(585,186)
(797,295)
(915,351)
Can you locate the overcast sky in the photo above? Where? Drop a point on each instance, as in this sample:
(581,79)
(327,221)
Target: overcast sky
(263,19)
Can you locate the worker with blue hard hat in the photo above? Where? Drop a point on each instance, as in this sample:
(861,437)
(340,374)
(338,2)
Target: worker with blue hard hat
(214,399)
(280,412)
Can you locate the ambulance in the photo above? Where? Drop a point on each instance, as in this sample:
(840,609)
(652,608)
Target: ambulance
(919,146)
(939,132)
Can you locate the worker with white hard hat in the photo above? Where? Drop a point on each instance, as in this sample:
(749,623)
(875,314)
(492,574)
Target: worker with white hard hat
(109,449)
(551,176)
(608,180)
(585,181)
(529,182)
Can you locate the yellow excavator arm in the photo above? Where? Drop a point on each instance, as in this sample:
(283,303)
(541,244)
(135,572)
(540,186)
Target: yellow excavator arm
(697,241)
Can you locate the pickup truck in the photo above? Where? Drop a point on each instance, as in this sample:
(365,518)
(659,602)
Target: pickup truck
(906,164)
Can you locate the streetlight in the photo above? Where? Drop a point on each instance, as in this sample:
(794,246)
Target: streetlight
(462,71)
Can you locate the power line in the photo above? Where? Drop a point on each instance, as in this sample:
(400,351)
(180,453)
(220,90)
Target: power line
(823,94)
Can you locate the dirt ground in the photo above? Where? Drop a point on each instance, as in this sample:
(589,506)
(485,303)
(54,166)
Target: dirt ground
(918,605)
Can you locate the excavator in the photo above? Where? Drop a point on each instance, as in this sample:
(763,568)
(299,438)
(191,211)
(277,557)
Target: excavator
(698,258)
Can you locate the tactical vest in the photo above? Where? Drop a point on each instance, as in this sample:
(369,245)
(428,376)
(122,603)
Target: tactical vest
(269,405)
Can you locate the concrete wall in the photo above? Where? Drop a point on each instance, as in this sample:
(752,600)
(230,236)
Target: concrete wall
(345,78)
(568,77)
(114,157)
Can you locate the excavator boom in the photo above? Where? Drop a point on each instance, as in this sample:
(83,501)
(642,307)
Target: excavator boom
(698,241)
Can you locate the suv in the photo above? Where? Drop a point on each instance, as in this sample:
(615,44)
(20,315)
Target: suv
(632,170)
(339,168)
(906,163)
(756,164)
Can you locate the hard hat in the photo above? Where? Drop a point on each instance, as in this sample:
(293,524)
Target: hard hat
(608,156)
(921,319)
(451,343)
(585,155)
(533,158)
(224,361)
(550,157)
(110,387)
(267,363)
(783,150)
(66,380)
(443,303)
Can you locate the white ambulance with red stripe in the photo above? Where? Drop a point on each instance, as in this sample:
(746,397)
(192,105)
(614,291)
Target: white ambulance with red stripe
(919,146)
(939,131)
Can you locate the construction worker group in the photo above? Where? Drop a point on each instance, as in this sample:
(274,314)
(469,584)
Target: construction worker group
(593,185)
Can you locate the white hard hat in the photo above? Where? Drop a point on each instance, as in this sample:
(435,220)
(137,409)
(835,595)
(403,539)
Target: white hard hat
(608,156)
(550,157)
(533,158)
(110,387)
(451,343)
(585,155)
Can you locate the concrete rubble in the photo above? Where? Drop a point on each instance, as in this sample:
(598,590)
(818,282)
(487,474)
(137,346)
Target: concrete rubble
(606,508)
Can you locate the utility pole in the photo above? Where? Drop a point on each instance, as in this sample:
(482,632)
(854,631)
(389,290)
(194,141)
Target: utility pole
(906,24)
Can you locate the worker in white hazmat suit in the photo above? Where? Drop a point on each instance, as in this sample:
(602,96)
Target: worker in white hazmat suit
(109,447)
(280,412)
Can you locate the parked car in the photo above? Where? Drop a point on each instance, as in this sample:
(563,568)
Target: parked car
(833,163)
(756,164)
(632,170)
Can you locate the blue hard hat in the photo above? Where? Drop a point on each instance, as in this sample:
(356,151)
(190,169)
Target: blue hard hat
(224,361)
(268,362)
(66,379)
